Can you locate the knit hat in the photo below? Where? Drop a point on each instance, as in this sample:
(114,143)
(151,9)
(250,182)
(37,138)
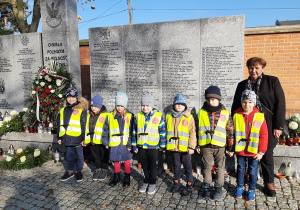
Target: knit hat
(180,99)
(249,95)
(213,92)
(147,99)
(71,92)
(121,99)
(97,101)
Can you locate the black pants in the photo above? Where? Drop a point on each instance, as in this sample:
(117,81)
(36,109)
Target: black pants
(185,158)
(100,155)
(148,158)
(267,166)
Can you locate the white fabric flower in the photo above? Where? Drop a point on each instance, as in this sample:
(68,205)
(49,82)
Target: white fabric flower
(13,113)
(293,125)
(50,86)
(31,110)
(19,151)
(42,84)
(60,95)
(49,79)
(8,158)
(23,159)
(46,77)
(58,82)
(52,91)
(41,77)
(33,92)
(36,82)
(36,153)
(298,116)
(7,119)
(25,109)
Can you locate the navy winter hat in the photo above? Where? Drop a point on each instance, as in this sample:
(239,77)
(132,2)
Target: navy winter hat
(71,92)
(213,92)
(97,101)
(179,99)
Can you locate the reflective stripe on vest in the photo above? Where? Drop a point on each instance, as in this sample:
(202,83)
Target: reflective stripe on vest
(97,137)
(151,136)
(183,133)
(240,133)
(74,127)
(219,136)
(114,131)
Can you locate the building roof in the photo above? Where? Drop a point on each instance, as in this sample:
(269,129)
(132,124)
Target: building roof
(288,22)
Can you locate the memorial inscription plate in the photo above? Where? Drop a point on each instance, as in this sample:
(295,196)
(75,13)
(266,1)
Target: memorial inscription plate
(168,58)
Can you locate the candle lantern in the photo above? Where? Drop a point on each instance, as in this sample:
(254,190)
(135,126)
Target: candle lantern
(296,140)
(11,150)
(56,156)
(62,157)
(50,152)
(30,129)
(1,152)
(40,128)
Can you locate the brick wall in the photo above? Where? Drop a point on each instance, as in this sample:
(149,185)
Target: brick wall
(278,45)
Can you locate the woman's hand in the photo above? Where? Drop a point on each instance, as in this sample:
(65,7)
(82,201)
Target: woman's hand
(230,154)
(190,151)
(59,141)
(277,133)
(257,157)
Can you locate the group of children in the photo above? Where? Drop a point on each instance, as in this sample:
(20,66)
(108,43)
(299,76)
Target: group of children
(116,135)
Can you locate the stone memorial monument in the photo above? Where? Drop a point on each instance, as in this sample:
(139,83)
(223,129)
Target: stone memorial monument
(168,58)
(20,59)
(60,35)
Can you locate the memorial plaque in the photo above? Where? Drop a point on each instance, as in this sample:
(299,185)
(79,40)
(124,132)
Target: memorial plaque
(19,64)
(60,35)
(168,58)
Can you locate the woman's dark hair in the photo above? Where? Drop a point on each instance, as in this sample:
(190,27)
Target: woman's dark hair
(256,60)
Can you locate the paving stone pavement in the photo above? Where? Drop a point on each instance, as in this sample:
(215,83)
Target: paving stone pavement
(40,188)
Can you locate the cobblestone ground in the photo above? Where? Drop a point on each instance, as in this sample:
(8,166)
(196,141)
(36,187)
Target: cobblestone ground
(40,188)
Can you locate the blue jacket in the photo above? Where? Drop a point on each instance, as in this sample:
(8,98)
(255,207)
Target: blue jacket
(120,152)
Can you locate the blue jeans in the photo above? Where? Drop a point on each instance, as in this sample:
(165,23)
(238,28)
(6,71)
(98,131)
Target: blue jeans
(72,154)
(252,170)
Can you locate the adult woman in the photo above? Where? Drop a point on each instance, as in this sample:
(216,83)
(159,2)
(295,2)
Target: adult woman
(270,101)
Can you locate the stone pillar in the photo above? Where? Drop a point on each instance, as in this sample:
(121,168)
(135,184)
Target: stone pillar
(60,35)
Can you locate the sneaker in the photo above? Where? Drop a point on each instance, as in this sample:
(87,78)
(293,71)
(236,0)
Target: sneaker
(218,193)
(239,192)
(79,176)
(66,176)
(103,174)
(187,190)
(251,195)
(143,187)
(175,187)
(151,189)
(96,175)
(205,191)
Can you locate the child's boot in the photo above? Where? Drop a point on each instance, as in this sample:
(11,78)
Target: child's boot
(188,189)
(218,192)
(206,191)
(239,192)
(114,180)
(126,182)
(176,186)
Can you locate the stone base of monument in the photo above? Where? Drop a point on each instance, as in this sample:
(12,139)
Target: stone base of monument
(284,155)
(23,140)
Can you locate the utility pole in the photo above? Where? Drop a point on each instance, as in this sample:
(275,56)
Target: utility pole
(130,12)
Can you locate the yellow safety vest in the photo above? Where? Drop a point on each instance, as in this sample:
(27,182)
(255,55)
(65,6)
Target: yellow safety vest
(97,138)
(114,131)
(183,133)
(219,136)
(151,135)
(240,133)
(74,127)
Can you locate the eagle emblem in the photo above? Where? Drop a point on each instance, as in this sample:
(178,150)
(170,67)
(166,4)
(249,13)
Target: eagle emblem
(53,19)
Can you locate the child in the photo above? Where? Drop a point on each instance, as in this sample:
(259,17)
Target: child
(149,135)
(117,134)
(181,140)
(93,136)
(212,123)
(251,140)
(72,120)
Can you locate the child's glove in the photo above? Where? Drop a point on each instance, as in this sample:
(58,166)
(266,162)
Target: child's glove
(229,153)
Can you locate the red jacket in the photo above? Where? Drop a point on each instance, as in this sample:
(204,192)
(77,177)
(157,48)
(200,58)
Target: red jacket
(263,133)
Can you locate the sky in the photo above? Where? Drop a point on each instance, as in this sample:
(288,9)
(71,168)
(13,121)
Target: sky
(115,12)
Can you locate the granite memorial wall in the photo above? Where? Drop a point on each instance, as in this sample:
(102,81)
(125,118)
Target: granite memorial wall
(167,58)
(20,59)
